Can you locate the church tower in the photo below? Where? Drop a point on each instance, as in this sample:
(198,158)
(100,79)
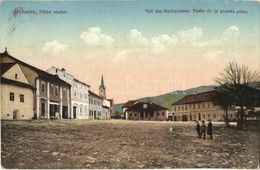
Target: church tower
(102,89)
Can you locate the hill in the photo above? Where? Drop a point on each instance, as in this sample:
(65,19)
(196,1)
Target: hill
(167,99)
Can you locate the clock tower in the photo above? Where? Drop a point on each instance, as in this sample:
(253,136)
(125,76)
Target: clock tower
(102,89)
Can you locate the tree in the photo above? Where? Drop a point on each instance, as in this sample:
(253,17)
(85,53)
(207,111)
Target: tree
(239,84)
(223,101)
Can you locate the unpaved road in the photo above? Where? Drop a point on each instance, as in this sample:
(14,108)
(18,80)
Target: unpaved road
(74,144)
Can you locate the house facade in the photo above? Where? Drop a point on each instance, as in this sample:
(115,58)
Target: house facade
(16,93)
(200,107)
(95,106)
(147,111)
(126,106)
(52,95)
(79,93)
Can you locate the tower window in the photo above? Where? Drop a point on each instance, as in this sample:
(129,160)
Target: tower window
(16,76)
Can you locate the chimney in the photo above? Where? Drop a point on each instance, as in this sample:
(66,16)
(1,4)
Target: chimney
(6,50)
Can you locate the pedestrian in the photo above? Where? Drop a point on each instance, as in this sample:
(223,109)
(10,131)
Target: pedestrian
(203,129)
(209,131)
(198,128)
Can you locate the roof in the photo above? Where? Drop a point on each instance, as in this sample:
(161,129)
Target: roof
(16,83)
(41,73)
(197,98)
(76,80)
(130,103)
(102,85)
(5,67)
(146,106)
(94,94)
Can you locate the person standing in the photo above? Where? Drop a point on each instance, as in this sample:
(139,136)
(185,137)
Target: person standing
(203,129)
(209,131)
(198,128)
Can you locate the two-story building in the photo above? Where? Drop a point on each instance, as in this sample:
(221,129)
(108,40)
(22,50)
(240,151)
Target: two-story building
(199,107)
(95,106)
(51,97)
(79,93)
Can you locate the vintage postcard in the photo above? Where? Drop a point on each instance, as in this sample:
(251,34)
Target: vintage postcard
(130,84)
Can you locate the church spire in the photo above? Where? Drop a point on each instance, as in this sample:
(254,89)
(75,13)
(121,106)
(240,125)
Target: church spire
(102,85)
(102,88)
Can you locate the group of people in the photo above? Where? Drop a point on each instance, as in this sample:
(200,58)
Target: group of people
(201,129)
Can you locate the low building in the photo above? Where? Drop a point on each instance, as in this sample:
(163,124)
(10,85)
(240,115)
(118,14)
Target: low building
(200,107)
(17,95)
(146,111)
(126,106)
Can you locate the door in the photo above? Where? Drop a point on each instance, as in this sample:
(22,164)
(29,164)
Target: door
(74,112)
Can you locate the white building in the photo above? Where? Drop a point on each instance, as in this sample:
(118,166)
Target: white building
(79,94)
(95,106)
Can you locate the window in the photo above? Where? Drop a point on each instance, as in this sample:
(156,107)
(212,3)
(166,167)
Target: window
(81,95)
(182,107)
(80,109)
(64,92)
(208,105)
(214,116)
(231,116)
(43,87)
(162,113)
(189,106)
(186,107)
(11,96)
(51,89)
(194,116)
(130,115)
(85,110)
(178,108)
(75,92)
(135,115)
(56,90)
(158,113)
(174,108)
(194,106)
(86,96)
(203,105)
(198,106)
(16,76)
(208,115)
(21,98)
(204,116)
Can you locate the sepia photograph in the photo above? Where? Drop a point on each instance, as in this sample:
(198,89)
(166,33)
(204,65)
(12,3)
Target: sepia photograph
(130,84)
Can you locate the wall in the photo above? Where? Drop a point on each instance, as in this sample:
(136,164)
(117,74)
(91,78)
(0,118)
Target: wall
(25,109)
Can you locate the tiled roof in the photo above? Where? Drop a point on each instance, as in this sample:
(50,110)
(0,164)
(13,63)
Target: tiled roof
(146,106)
(5,67)
(16,83)
(197,98)
(130,103)
(40,73)
(94,94)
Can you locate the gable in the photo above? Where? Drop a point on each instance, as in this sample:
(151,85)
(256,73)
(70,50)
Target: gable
(15,73)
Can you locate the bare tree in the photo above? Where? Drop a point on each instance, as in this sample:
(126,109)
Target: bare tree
(239,84)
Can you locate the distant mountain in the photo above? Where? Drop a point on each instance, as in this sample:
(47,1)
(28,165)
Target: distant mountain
(167,99)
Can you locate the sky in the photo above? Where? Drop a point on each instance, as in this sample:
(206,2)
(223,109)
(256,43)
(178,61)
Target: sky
(142,48)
